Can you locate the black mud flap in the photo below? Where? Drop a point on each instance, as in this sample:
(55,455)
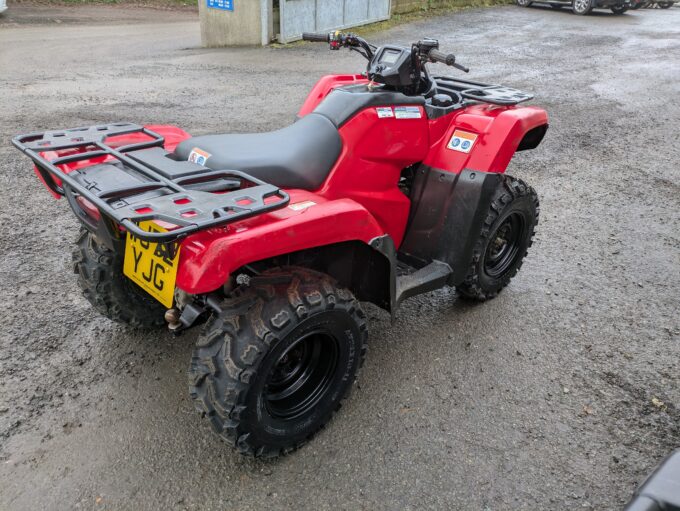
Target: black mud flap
(447,215)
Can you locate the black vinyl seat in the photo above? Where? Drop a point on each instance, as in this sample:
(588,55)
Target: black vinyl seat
(298,156)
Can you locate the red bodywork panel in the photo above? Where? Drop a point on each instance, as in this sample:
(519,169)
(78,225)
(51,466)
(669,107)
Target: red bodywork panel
(325,85)
(207,258)
(499,129)
(360,199)
(374,153)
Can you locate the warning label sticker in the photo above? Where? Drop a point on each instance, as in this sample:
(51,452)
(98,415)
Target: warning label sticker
(199,156)
(384,111)
(299,206)
(407,112)
(462,141)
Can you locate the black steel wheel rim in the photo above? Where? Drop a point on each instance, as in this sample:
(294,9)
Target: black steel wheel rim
(302,375)
(504,245)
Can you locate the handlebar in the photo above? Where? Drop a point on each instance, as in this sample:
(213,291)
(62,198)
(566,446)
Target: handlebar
(446,58)
(427,49)
(317,38)
(339,40)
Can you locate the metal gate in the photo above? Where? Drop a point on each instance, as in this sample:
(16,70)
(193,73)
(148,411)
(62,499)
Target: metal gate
(298,16)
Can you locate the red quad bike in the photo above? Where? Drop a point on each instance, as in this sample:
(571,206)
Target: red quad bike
(389,184)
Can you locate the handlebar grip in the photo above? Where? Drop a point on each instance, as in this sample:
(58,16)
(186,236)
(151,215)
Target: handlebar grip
(317,38)
(439,56)
(462,68)
(446,58)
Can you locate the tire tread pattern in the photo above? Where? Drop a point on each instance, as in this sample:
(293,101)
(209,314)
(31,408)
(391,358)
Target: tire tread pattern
(509,190)
(234,343)
(101,279)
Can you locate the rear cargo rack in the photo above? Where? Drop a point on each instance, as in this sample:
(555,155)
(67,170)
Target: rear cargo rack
(147,193)
(484,92)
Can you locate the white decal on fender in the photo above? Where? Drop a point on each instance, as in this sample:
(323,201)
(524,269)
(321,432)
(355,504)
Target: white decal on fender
(462,141)
(384,112)
(407,112)
(299,206)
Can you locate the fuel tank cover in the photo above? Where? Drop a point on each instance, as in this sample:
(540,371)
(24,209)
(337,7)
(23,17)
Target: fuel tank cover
(442,100)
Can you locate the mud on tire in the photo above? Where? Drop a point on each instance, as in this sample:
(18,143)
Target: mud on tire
(503,243)
(252,372)
(101,279)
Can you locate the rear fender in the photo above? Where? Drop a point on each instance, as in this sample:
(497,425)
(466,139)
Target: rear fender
(208,258)
(499,132)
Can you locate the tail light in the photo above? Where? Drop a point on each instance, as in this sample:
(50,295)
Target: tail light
(90,209)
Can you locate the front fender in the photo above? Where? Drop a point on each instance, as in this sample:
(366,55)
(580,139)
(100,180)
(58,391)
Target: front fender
(209,257)
(499,132)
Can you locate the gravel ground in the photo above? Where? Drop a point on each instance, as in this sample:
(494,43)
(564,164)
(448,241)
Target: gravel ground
(562,393)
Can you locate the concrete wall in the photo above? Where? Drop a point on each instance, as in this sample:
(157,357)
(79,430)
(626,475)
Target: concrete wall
(252,21)
(243,26)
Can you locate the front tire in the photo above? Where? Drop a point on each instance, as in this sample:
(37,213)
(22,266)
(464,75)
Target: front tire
(112,294)
(274,366)
(524,3)
(619,9)
(506,236)
(582,7)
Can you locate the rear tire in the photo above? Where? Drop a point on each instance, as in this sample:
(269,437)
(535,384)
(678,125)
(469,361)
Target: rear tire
(506,236)
(665,5)
(101,279)
(524,3)
(582,7)
(270,370)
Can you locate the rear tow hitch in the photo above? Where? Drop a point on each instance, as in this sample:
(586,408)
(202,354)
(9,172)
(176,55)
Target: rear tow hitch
(193,313)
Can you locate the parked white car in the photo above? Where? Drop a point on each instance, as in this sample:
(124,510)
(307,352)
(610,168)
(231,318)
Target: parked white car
(3,6)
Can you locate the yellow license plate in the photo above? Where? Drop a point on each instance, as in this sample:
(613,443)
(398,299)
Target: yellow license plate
(152,266)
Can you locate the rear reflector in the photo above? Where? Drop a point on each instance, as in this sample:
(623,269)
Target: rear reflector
(88,208)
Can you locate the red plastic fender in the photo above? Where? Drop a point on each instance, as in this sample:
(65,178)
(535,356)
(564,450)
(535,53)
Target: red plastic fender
(499,131)
(374,152)
(324,86)
(208,258)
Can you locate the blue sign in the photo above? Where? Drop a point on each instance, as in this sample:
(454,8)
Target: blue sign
(225,5)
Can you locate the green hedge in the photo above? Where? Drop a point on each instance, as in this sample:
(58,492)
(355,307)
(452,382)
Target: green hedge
(407,6)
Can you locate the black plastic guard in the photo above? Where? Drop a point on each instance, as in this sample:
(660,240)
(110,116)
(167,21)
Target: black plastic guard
(661,490)
(447,214)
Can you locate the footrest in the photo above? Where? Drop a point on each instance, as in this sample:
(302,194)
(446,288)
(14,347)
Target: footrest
(430,277)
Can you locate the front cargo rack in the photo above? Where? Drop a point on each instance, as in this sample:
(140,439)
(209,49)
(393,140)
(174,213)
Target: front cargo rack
(141,182)
(484,92)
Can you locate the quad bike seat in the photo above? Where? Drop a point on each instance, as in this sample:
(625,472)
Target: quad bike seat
(298,156)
